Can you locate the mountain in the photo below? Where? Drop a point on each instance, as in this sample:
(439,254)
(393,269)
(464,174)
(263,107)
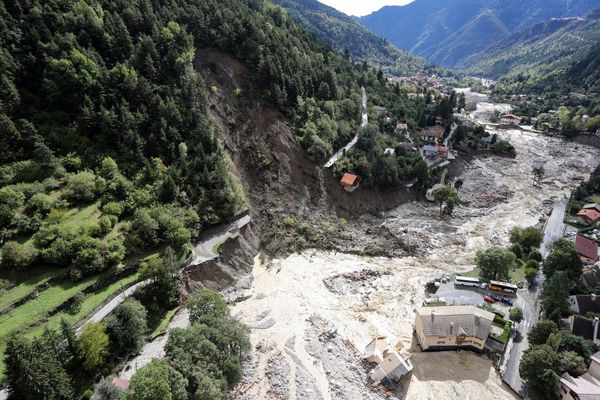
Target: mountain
(345,34)
(447,32)
(543,48)
(586,72)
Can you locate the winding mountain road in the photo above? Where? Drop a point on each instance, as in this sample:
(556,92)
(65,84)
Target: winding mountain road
(364,123)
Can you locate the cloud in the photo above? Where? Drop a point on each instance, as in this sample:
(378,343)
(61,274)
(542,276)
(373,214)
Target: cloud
(362,7)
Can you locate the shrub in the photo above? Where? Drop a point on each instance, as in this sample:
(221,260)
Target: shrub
(17,256)
(41,203)
(516,249)
(81,187)
(10,202)
(516,314)
(113,208)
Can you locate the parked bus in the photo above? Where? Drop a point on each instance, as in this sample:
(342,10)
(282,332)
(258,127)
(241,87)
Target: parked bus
(503,287)
(466,281)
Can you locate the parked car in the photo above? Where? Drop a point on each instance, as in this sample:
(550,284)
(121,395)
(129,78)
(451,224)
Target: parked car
(489,299)
(483,286)
(496,297)
(507,301)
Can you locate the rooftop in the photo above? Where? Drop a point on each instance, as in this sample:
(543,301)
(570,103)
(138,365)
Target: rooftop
(455,320)
(590,277)
(586,247)
(349,179)
(586,386)
(589,213)
(592,206)
(587,303)
(584,327)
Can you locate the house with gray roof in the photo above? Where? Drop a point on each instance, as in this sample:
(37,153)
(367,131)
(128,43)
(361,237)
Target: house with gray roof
(451,327)
(584,387)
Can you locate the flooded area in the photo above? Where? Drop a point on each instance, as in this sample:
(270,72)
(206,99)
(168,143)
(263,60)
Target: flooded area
(313,313)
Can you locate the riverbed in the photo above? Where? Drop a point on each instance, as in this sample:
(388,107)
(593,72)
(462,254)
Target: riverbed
(312,313)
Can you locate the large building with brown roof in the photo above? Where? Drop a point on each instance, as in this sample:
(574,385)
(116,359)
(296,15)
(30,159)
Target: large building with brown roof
(450,327)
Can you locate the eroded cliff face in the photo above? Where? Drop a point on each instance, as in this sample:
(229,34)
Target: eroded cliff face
(231,271)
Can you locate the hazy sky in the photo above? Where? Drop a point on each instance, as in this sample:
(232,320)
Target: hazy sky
(362,7)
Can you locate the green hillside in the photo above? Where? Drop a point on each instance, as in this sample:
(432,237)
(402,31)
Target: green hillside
(539,50)
(346,35)
(448,32)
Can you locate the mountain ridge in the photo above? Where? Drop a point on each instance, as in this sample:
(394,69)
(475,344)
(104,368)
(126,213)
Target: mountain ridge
(545,47)
(449,33)
(346,34)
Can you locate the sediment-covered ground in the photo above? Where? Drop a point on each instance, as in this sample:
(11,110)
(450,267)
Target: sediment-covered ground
(312,314)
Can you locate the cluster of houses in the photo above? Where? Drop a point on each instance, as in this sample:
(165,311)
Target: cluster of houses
(586,386)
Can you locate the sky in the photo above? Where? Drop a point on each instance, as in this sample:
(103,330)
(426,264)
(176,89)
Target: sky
(362,7)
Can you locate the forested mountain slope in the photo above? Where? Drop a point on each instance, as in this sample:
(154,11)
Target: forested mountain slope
(346,35)
(448,32)
(540,49)
(117,142)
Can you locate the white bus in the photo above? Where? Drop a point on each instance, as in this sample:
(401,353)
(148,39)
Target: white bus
(466,281)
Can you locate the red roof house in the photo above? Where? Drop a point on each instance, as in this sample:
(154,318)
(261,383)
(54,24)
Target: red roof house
(592,206)
(588,215)
(586,248)
(511,119)
(350,182)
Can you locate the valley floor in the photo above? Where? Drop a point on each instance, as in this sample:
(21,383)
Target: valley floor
(312,314)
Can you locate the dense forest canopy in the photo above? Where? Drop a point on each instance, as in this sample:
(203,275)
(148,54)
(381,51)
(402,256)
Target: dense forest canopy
(346,35)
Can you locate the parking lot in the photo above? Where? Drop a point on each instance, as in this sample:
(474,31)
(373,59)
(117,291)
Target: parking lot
(462,295)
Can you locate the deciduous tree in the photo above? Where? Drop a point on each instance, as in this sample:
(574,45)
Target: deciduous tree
(495,263)
(541,331)
(158,381)
(93,344)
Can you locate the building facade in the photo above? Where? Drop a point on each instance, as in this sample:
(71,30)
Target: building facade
(451,327)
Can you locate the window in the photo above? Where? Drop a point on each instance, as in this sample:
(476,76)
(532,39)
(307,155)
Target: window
(442,342)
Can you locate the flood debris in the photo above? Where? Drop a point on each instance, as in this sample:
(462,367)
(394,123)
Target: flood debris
(390,367)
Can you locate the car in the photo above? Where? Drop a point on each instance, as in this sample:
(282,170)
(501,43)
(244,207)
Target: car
(496,297)
(506,301)
(483,286)
(489,299)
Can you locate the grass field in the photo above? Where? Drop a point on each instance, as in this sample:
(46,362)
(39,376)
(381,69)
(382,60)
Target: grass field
(77,216)
(27,287)
(595,198)
(89,304)
(30,318)
(34,311)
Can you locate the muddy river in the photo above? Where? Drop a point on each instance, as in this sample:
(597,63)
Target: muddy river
(312,313)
